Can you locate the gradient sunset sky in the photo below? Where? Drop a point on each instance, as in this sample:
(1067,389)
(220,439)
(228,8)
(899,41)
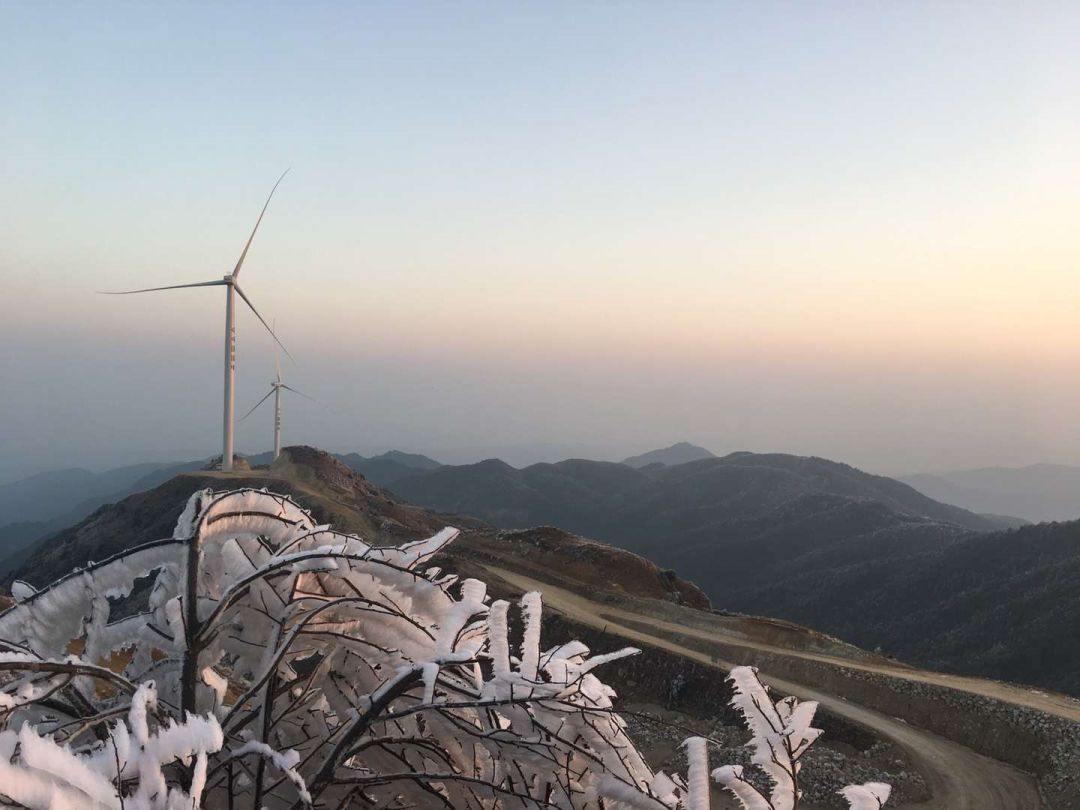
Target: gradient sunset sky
(549,229)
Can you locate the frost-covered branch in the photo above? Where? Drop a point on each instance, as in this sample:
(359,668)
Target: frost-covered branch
(343,670)
(781,735)
(133,767)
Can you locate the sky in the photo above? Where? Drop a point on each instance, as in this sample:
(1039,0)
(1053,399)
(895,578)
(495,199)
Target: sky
(545,230)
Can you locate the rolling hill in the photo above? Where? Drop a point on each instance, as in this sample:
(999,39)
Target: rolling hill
(798,538)
(333,492)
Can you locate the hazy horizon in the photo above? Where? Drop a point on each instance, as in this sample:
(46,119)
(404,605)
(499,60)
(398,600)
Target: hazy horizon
(837,230)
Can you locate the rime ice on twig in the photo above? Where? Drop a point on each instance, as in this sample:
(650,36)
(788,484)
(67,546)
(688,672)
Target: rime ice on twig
(781,734)
(871,796)
(37,771)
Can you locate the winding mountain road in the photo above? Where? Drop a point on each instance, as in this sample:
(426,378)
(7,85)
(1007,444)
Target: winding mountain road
(957,777)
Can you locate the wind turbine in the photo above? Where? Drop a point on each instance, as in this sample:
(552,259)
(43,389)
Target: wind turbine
(231,286)
(276,387)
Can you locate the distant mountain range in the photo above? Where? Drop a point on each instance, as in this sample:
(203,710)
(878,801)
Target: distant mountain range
(1036,493)
(740,494)
(389,467)
(322,483)
(43,504)
(46,495)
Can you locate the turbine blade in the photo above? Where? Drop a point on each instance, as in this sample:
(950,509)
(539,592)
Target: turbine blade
(301,393)
(240,261)
(262,320)
(171,287)
(257,404)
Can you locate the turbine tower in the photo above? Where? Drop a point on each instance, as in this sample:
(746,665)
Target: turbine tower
(231,286)
(276,387)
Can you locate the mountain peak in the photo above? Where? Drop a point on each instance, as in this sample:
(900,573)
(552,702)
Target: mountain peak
(416,461)
(678,453)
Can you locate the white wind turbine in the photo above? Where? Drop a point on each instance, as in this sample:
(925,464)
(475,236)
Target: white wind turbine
(231,286)
(276,387)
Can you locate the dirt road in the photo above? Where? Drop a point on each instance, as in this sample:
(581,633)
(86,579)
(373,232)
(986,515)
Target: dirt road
(958,778)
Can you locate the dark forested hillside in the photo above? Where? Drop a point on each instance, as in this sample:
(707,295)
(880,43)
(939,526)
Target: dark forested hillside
(1004,605)
(744,518)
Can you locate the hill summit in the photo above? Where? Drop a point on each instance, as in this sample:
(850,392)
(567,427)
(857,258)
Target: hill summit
(679,453)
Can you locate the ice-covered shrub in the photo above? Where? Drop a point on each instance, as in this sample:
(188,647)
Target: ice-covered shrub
(780,734)
(256,659)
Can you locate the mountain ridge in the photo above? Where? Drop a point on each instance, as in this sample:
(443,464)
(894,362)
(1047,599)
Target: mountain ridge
(538,493)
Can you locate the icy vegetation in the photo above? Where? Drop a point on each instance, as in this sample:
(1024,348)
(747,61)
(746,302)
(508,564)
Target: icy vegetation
(781,734)
(271,662)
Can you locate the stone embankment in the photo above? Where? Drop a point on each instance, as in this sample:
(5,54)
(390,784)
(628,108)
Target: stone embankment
(1038,742)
